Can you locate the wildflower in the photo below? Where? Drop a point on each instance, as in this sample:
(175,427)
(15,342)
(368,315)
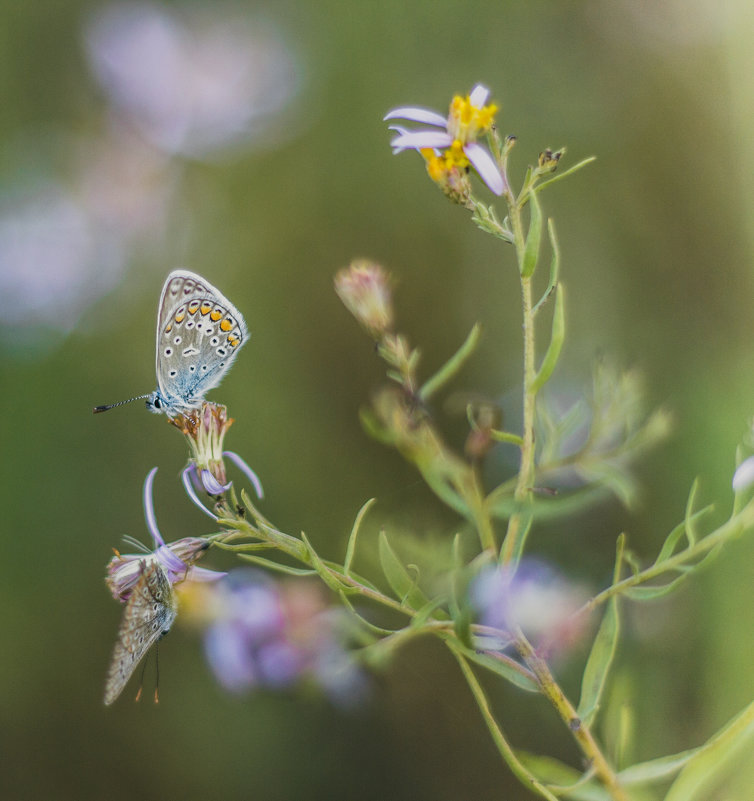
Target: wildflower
(258,633)
(177,558)
(191,83)
(205,431)
(744,475)
(450,152)
(534,598)
(364,288)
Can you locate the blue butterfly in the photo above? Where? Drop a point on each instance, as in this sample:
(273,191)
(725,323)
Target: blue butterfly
(199,334)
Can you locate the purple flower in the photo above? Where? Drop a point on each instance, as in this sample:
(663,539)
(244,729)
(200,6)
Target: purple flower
(450,151)
(258,633)
(177,558)
(534,598)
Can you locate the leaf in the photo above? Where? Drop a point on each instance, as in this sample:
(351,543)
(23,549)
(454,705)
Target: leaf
(554,267)
(598,664)
(559,176)
(351,547)
(459,605)
(326,575)
(268,563)
(398,577)
(503,666)
(565,780)
(655,770)
(557,338)
(533,239)
(453,365)
(601,656)
(708,766)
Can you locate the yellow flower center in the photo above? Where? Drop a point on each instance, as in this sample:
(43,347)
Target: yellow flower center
(466,121)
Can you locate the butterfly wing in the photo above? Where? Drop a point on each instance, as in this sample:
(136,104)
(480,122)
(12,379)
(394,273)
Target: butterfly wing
(199,333)
(149,613)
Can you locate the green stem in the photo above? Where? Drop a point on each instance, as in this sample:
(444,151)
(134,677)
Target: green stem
(729,530)
(498,737)
(581,733)
(517,530)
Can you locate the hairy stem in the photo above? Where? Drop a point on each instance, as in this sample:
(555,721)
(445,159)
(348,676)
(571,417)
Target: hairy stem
(581,733)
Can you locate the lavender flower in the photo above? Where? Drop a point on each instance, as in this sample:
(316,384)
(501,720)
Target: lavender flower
(534,598)
(258,633)
(449,152)
(205,431)
(177,558)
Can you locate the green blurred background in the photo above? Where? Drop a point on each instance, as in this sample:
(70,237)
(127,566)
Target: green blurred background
(656,239)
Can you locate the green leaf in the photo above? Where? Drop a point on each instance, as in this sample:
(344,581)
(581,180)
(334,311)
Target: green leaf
(453,365)
(690,516)
(326,575)
(398,577)
(503,666)
(533,239)
(559,176)
(351,548)
(554,267)
(268,563)
(655,770)
(556,343)
(562,779)
(504,436)
(598,664)
(708,766)
(459,606)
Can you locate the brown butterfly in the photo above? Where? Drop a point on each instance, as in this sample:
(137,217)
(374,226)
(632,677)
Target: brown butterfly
(150,611)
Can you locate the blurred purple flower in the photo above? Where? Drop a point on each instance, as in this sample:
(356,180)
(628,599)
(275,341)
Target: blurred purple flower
(191,83)
(177,558)
(258,633)
(535,598)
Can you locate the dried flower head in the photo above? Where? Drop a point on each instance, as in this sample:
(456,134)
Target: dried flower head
(364,288)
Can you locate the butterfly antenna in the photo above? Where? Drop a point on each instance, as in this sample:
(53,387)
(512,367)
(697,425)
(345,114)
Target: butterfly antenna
(134,543)
(107,406)
(157,674)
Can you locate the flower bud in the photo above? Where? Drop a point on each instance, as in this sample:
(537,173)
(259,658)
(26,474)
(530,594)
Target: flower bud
(364,288)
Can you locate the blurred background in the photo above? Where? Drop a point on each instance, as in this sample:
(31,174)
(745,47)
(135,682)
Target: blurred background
(244,140)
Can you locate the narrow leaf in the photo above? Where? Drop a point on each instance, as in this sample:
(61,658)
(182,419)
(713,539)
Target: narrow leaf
(554,267)
(533,238)
(559,176)
(556,343)
(398,577)
(690,516)
(503,666)
(268,563)
(709,765)
(598,664)
(453,365)
(351,548)
(332,582)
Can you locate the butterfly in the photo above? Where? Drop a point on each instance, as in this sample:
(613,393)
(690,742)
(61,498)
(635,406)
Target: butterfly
(199,334)
(150,612)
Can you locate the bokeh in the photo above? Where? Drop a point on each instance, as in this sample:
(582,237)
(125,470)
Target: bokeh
(245,141)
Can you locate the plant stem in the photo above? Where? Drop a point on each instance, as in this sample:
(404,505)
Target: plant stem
(582,734)
(503,746)
(517,530)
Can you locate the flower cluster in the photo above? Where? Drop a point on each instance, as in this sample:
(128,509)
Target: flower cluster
(258,633)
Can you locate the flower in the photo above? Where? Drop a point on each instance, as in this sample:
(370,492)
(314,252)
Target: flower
(534,598)
(364,288)
(191,82)
(177,558)
(744,475)
(468,118)
(259,633)
(205,431)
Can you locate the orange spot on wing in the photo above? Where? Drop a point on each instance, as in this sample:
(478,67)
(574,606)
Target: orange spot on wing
(216,315)
(226,325)
(206,308)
